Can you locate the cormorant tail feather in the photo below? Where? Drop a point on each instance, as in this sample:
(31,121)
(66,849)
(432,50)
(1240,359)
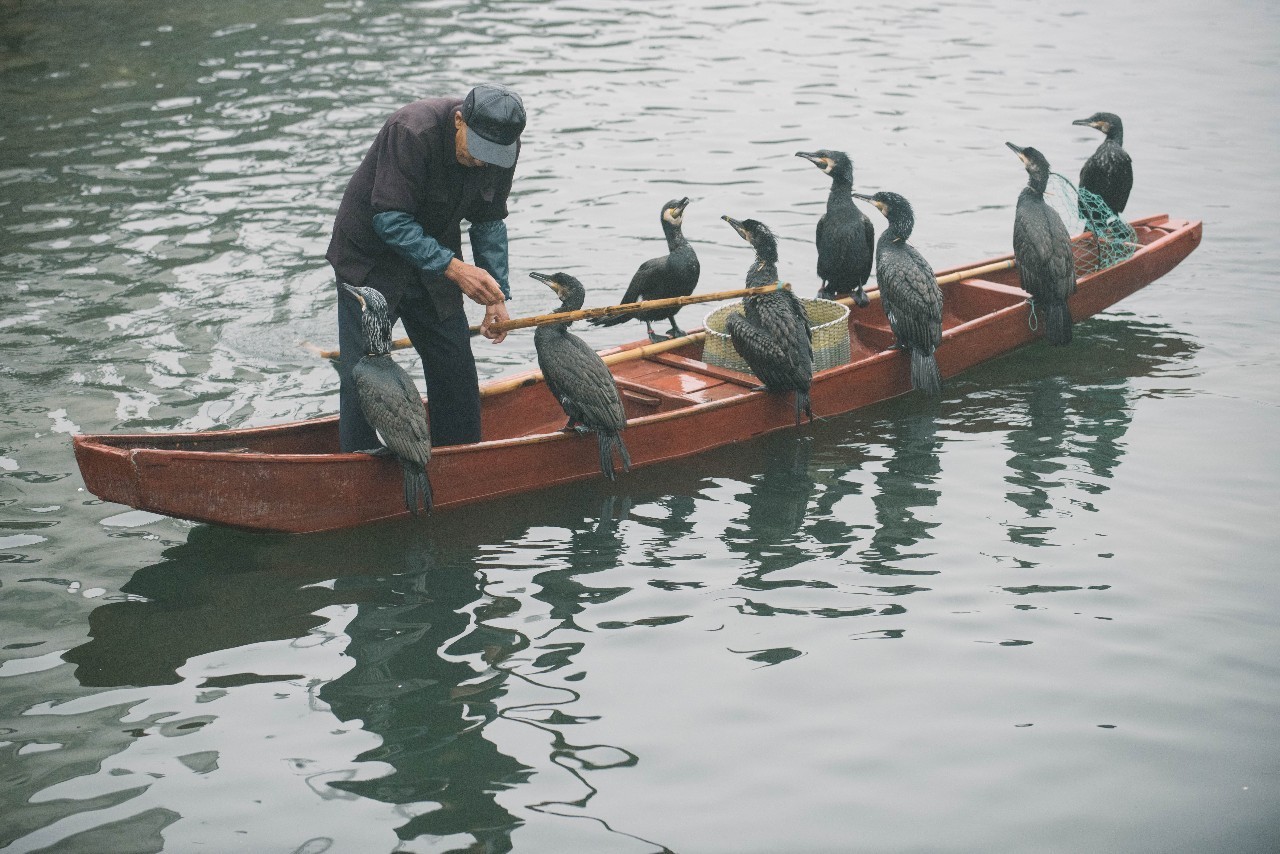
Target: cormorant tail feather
(416,483)
(1058,325)
(802,405)
(925,376)
(607,442)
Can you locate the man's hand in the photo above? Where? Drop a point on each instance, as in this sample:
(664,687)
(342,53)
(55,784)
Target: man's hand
(476,283)
(495,313)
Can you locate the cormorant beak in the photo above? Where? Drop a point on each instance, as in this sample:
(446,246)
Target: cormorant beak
(355,293)
(1086,122)
(546,280)
(1019,151)
(880,206)
(674,213)
(737,226)
(821,162)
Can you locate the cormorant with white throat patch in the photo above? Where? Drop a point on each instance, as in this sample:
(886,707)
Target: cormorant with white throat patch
(846,240)
(578,378)
(390,401)
(673,275)
(909,292)
(1109,170)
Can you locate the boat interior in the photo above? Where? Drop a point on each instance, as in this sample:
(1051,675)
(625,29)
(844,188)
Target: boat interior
(656,384)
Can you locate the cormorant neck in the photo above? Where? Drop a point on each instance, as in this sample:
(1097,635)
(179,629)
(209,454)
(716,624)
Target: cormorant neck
(675,235)
(841,194)
(1116,134)
(900,227)
(377,335)
(1037,182)
(763,272)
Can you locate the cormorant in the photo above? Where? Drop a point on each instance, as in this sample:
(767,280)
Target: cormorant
(909,292)
(846,239)
(1109,170)
(673,275)
(578,378)
(1042,249)
(390,400)
(772,334)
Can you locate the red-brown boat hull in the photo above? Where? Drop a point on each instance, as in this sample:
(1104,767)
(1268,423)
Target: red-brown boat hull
(291,478)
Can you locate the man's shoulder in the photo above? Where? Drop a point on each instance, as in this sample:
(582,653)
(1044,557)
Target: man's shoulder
(426,114)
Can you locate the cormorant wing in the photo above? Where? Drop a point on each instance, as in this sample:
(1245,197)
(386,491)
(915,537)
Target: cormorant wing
(776,360)
(584,386)
(644,278)
(916,301)
(393,406)
(1109,173)
(1046,266)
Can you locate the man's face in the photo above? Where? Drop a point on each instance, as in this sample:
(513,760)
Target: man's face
(460,143)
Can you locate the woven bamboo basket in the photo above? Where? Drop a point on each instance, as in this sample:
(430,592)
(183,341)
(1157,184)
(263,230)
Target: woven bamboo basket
(828,320)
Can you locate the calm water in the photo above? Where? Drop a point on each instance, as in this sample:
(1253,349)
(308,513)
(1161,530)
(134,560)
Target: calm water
(1039,615)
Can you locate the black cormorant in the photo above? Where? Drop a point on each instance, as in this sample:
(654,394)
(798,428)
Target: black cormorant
(846,239)
(1109,170)
(390,400)
(578,378)
(772,334)
(673,275)
(909,292)
(1042,249)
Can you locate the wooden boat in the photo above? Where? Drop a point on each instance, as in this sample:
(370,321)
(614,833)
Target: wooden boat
(292,478)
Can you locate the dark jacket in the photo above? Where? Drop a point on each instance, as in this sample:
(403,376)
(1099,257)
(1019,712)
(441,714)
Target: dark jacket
(412,167)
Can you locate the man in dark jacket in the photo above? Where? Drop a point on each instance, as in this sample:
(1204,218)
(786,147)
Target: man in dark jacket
(435,163)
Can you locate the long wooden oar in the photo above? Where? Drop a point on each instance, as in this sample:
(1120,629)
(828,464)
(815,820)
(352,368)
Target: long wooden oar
(587,313)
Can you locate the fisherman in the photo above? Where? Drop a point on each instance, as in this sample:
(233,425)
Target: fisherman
(398,230)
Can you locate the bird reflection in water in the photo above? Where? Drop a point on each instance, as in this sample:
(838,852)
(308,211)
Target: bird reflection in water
(1066,423)
(904,486)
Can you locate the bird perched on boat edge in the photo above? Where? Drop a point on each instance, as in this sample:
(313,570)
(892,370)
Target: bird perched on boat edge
(909,292)
(390,401)
(846,239)
(1042,249)
(1109,170)
(673,275)
(578,378)
(772,334)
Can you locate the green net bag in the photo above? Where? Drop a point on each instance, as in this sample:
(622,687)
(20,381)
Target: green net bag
(1107,240)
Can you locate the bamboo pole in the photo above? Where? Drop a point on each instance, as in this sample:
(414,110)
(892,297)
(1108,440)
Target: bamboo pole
(626,308)
(587,313)
(630,308)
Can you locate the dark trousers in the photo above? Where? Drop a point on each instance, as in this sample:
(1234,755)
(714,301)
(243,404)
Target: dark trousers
(444,345)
